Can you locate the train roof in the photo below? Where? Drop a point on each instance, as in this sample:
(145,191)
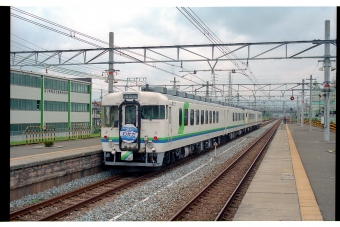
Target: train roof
(182,96)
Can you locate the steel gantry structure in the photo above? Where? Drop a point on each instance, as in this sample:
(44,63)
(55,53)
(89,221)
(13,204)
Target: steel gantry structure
(175,56)
(181,54)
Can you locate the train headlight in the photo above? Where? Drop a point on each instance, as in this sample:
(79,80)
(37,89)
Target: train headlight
(155,138)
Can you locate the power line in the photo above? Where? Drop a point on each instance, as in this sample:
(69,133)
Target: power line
(214,39)
(72,35)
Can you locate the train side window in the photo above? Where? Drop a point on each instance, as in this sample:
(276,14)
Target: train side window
(233,116)
(180,117)
(192,117)
(197,117)
(214,116)
(206,117)
(210,117)
(202,117)
(186,117)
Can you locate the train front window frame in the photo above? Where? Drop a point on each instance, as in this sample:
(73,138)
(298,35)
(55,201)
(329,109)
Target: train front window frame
(110,116)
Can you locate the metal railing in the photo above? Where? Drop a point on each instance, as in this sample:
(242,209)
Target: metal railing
(39,134)
(317,123)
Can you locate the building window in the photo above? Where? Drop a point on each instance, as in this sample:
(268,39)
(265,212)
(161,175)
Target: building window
(55,106)
(81,88)
(24,80)
(23,104)
(79,107)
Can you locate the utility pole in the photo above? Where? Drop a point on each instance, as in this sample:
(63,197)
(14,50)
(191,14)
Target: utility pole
(297,109)
(207,92)
(327,65)
(302,101)
(229,89)
(175,87)
(238,98)
(101,95)
(213,82)
(310,103)
(111,70)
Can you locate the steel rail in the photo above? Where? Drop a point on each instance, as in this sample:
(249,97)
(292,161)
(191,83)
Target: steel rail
(48,202)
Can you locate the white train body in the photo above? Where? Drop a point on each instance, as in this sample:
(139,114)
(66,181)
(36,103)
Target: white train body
(152,129)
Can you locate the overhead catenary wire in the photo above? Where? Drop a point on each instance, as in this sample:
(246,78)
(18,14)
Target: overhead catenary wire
(214,39)
(72,31)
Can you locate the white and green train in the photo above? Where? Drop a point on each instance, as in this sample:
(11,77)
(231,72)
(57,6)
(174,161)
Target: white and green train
(150,129)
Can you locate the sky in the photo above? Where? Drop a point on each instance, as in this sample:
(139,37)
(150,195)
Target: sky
(150,23)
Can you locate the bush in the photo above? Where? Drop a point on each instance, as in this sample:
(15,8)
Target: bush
(49,143)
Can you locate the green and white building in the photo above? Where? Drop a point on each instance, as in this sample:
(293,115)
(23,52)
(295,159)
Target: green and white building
(46,100)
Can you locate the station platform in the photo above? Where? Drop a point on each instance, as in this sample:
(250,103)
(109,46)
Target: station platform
(37,154)
(296,179)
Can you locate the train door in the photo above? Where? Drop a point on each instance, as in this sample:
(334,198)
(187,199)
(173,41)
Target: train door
(129,126)
(225,121)
(170,125)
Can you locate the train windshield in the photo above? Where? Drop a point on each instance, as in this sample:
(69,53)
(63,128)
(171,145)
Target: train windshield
(110,116)
(153,112)
(130,114)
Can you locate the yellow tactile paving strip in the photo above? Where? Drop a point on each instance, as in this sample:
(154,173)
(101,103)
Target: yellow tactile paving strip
(308,206)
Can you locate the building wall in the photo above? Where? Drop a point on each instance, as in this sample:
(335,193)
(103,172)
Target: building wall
(55,97)
(22,92)
(55,116)
(24,117)
(26,100)
(80,117)
(80,97)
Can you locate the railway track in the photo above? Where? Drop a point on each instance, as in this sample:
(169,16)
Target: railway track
(60,206)
(214,201)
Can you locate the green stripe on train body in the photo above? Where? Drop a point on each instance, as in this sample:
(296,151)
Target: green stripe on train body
(181,128)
